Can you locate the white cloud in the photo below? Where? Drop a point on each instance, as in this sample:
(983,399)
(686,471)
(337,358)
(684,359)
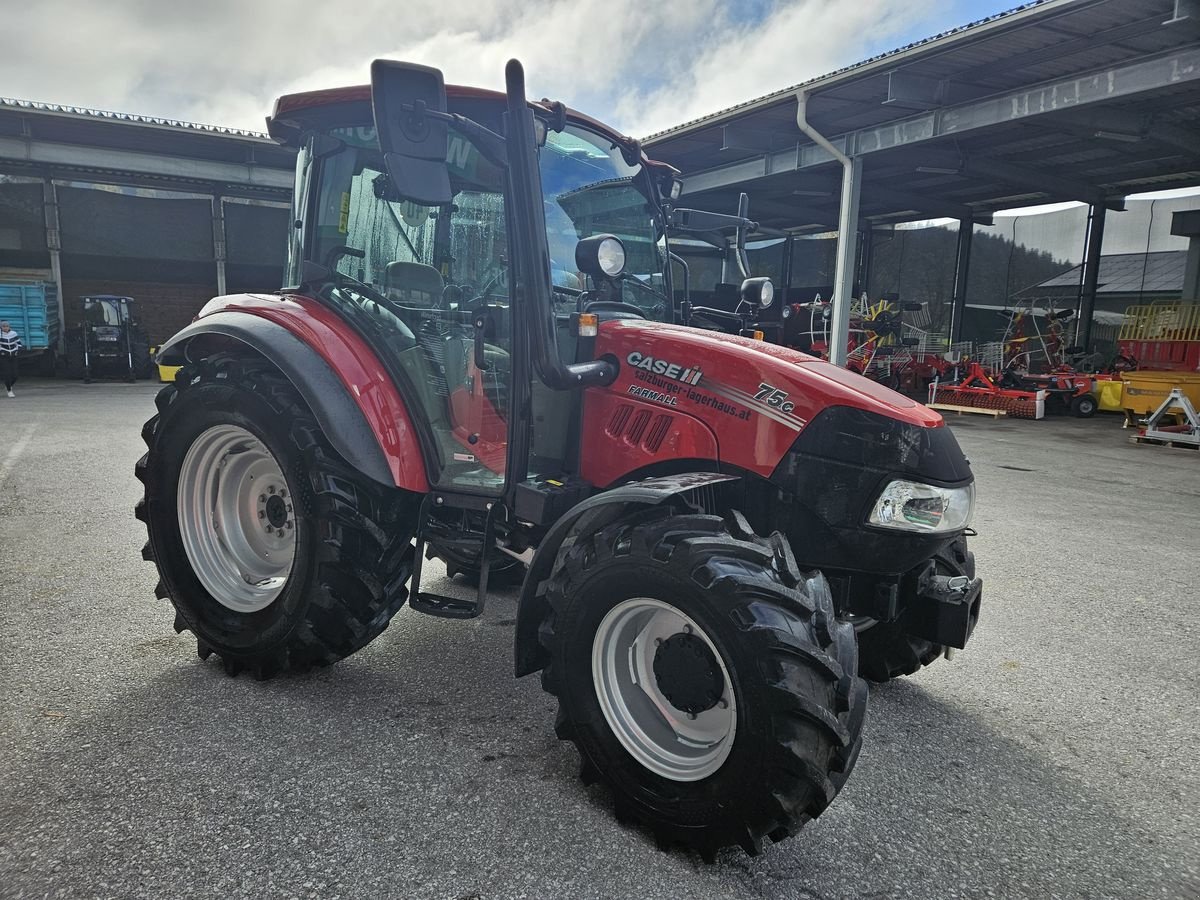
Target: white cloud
(642,66)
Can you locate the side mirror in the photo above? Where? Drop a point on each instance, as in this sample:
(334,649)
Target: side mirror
(409,102)
(758,292)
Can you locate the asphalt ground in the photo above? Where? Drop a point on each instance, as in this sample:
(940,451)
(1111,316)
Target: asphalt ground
(1056,757)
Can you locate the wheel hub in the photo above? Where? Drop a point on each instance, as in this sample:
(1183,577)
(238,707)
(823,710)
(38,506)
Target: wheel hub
(276,511)
(688,674)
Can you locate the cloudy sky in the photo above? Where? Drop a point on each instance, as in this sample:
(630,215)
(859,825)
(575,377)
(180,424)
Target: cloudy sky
(642,65)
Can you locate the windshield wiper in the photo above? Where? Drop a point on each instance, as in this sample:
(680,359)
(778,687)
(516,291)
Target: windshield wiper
(629,279)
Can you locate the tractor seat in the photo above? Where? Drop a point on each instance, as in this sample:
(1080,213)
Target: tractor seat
(413,284)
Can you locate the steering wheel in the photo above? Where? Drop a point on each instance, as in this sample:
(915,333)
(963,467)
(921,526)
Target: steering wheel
(615,306)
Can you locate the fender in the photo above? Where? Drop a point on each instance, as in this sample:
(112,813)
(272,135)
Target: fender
(378,442)
(593,512)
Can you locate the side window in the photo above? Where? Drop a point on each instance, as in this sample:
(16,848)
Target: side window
(415,278)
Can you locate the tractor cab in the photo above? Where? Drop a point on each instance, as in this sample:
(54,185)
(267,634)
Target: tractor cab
(429,267)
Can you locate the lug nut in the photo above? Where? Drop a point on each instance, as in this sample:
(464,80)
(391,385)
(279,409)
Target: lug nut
(270,530)
(262,498)
(271,489)
(261,514)
(289,525)
(692,716)
(687,629)
(723,703)
(282,492)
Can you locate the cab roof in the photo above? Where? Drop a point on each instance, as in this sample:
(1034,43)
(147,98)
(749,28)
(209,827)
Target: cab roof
(296,113)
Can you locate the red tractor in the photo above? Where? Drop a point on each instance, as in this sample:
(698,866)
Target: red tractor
(478,359)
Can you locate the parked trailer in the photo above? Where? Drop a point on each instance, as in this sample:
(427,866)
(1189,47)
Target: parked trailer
(32,309)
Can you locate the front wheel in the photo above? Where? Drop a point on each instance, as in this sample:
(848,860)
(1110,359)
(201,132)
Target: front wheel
(275,552)
(703,677)
(1084,406)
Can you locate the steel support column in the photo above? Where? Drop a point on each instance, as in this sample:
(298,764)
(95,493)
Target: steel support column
(218,225)
(847,242)
(962,271)
(843,287)
(1091,276)
(54,247)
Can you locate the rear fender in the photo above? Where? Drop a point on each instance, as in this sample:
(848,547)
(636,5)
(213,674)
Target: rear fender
(357,406)
(585,518)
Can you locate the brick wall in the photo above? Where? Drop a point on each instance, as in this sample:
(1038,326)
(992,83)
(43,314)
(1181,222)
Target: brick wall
(161,309)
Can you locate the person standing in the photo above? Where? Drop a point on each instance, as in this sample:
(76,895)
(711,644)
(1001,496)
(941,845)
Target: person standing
(10,344)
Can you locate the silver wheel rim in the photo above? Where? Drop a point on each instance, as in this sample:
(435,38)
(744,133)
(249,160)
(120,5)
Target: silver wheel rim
(664,739)
(236,518)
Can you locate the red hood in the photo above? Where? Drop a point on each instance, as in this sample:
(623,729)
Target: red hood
(744,364)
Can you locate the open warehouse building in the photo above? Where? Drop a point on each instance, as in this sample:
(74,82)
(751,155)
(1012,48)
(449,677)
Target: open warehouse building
(166,212)
(1066,100)
(1060,100)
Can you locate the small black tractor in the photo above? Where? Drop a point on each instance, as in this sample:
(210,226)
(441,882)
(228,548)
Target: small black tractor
(108,341)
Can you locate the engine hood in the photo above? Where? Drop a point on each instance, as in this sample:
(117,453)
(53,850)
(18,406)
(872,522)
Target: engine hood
(742,363)
(755,397)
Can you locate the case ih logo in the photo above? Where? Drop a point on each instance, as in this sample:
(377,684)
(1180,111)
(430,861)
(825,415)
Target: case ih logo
(682,374)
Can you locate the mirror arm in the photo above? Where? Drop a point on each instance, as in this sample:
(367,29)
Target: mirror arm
(743,261)
(488,142)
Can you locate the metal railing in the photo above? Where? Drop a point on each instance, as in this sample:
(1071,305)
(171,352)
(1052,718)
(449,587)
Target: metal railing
(1168,321)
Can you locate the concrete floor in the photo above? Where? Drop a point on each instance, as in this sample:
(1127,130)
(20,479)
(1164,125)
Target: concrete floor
(1056,757)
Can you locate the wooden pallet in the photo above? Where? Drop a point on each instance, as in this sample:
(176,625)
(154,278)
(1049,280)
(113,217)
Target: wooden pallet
(1163,442)
(955,408)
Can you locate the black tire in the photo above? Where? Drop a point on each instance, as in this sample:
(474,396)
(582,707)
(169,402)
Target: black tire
(353,550)
(73,349)
(143,362)
(1084,406)
(800,707)
(886,650)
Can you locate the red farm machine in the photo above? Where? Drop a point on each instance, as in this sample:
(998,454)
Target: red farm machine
(478,359)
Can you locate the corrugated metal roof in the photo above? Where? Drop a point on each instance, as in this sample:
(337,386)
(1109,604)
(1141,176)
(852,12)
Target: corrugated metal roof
(1011,105)
(1123,273)
(899,51)
(86,112)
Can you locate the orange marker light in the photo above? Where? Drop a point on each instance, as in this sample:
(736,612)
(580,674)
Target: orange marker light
(589,324)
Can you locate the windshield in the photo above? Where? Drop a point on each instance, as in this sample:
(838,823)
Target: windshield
(588,189)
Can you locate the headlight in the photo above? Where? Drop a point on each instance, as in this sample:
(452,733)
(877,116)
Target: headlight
(913,506)
(601,255)
(611,256)
(758,292)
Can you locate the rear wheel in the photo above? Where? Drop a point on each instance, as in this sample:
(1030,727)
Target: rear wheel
(143,362)
(73,350)
(703,677)
(885,649)
(274,552)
